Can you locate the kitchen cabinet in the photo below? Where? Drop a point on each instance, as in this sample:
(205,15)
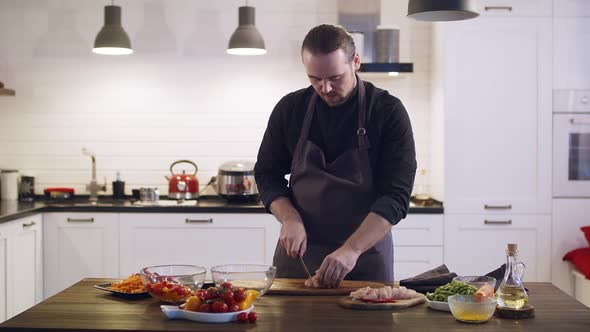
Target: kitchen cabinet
(417,244)
(79,245)
(21,268)
(495,75)
(476,244)
(514,8)
(203,239)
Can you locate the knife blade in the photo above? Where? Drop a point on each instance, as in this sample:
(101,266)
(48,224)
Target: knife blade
(304,267)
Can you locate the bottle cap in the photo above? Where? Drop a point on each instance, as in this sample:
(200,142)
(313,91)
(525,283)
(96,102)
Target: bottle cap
(512,248)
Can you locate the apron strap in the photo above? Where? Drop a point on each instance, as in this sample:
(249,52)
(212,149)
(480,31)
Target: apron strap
(361,132)
(363,140)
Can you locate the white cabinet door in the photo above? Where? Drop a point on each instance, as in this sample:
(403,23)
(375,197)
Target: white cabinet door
(4,232)
(514,8)
(419,230)
(25,269)
(77,246)
(418,244)
(198,239)
(497,86)
(476,244)
(411,261)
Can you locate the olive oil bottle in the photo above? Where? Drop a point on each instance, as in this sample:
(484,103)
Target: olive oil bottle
(511,293)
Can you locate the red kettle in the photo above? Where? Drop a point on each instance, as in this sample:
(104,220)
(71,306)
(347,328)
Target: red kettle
(183,186)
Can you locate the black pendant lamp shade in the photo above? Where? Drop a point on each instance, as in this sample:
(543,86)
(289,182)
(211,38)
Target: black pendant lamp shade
(442,10)
(246,40)
(112,39)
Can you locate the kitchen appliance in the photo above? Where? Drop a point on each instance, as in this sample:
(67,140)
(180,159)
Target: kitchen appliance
(26,191)
(235,181)
(59,194)
(571,143)
(9,184)
(183,186)
(118,188)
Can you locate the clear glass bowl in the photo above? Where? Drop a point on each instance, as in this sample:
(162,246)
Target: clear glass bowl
(472,308)
(172,283)
(477,281)
(248,276)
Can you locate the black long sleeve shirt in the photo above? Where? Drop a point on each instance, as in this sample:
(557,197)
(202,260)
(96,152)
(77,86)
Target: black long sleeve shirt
(333,129)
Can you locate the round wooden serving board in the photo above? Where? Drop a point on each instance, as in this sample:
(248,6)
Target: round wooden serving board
(349,303)
(286,286)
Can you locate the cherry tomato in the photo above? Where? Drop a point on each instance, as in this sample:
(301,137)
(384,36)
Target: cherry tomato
(252,316)
(243,317)
(226,285)
(205,307)
(239,295)
(233,308)
(228,297)
(201,293)
(212,293)
(219,306)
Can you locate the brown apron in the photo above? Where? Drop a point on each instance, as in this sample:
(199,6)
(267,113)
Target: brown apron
(333,200)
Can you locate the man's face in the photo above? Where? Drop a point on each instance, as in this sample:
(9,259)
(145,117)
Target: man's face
(331,75)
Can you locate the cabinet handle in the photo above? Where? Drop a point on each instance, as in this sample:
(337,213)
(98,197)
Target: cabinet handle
(498,222)
(32,223)
(81,220)
(574,122)
(497,207)
(198,221)
(507,8)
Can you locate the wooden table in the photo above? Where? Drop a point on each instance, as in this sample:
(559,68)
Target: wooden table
(83,308)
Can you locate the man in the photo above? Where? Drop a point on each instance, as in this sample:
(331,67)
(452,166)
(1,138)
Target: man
(349,148)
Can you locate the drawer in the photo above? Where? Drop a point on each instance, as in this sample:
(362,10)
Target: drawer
(419,229)
(507,8)
(411,261)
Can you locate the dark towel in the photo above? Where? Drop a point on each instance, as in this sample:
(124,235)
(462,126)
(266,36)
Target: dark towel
(430,280)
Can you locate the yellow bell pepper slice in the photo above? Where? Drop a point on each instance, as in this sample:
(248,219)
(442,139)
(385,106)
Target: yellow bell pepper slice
(251,295)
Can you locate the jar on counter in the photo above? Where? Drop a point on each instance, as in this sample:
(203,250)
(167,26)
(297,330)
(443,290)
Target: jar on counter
(9,184)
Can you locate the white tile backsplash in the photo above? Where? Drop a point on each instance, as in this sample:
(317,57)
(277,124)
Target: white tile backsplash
(179,96)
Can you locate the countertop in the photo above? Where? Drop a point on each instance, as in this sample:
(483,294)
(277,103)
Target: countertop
(10,210)
(84,308)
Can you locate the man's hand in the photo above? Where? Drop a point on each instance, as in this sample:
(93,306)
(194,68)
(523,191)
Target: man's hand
(337,265)
(293,238)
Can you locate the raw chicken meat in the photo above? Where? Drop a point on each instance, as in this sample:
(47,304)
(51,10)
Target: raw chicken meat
(387,292)
(313,282)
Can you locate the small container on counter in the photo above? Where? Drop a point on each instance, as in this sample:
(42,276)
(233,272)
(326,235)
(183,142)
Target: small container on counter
(9,184)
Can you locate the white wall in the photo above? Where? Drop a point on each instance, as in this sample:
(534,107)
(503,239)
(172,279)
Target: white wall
(179,96)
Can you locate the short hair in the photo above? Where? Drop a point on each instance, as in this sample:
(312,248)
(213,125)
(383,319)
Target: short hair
(327,38)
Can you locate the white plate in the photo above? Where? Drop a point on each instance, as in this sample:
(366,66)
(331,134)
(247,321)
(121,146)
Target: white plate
(174,312)
(438,305)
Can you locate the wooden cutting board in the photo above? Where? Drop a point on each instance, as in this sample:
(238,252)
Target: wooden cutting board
(348,303)
(286,286)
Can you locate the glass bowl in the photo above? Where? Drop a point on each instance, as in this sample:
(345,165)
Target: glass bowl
(477,281)
(248,276)
(172,283)
(471,308)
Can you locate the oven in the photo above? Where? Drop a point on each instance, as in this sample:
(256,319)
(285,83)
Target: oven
(571,143)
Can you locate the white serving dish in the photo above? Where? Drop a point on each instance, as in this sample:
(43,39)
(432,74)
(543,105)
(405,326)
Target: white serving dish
(439,305)
(174,312)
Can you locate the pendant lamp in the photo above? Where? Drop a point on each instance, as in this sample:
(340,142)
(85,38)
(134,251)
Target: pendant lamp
(246,40)
(112,39)
(442,10)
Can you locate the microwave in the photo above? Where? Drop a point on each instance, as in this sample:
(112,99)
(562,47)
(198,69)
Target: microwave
(571,143)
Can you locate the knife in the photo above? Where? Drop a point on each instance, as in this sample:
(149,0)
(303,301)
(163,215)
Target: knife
(304,267)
